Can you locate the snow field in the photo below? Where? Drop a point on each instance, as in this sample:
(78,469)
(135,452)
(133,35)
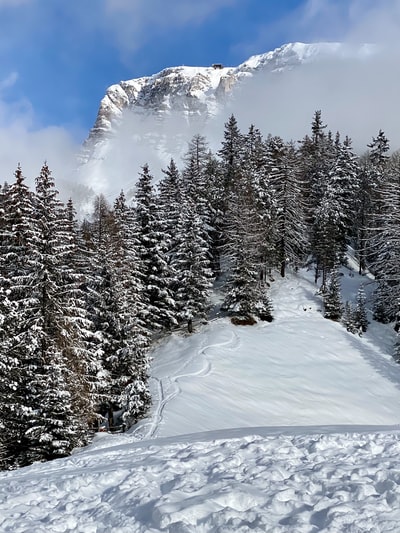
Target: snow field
(315,444)
(300,370)
(328,483)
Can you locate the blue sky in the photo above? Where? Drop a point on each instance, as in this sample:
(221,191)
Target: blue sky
(57,57)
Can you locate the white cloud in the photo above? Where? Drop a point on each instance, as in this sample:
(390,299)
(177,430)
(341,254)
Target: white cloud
(32,147)
(357,97)
(136,22)
(376,21)
(351,20)
(22,141)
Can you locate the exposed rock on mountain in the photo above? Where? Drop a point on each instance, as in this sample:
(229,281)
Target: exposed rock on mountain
(151,118)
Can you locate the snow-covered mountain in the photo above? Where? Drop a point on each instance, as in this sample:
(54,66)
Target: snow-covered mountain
(151,118)
(286,427)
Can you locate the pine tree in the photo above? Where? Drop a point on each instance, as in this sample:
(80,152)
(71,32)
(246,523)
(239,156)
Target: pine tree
(129,366)
(379,176)
(118,337)
(360,313)
(170,201)
(203,185)
(348,318)
(343,178)
(315,161)
(231,153)
(34,330)
(246,288)
(331,297)
(54,425)
(159,305)
(385,259)
(290,230)
(257,167)
(15,281)
(39,332)
(378,154)
(192,267)
(327,235)
(364,211)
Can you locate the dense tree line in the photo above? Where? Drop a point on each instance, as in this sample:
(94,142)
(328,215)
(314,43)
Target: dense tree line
(82,301)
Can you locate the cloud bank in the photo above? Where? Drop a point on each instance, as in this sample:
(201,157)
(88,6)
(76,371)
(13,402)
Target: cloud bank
(356,96)
(23,141)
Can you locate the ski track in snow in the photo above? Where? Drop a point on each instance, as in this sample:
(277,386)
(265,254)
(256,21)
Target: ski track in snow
(171,383)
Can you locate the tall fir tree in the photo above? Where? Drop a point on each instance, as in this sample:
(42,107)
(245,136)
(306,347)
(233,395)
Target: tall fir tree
(129,365)
(291,243)
(230,153)
(159,305)
(192,267)
(333,308)
(246,293)
(16,279)
(53,424)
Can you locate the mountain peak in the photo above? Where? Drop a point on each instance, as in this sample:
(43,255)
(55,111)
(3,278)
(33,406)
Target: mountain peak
(137,110)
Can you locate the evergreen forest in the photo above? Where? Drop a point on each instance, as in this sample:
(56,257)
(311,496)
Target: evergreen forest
(83,301)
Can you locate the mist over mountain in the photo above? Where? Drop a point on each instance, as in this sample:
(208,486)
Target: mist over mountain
(151,119)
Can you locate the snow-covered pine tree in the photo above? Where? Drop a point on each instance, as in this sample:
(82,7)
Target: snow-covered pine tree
(159,305)
(291,243)
(193,174)
(360,312)
(334,216)
(9,435)
(16,235)
(191,265)
(53,424)
(203,184)
(170,200)
(314,164)
(86,383)
(378,153)
(379,176)
(26,271)
(129,365)
(384,240)
(246,294)
(256,166)
(343,178)
(231,154)
(331,296)
(326,240)
(348,318)
(108,338)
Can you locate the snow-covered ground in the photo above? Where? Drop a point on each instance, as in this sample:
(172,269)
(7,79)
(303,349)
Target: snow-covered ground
(284,427)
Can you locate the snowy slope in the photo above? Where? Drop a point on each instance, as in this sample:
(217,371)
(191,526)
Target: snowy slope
(300,370)
(284,427)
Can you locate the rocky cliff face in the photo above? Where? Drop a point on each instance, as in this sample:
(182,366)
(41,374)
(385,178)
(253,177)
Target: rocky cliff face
(192,92)
(153,115)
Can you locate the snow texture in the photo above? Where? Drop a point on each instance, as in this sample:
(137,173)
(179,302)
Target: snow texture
(284,427)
